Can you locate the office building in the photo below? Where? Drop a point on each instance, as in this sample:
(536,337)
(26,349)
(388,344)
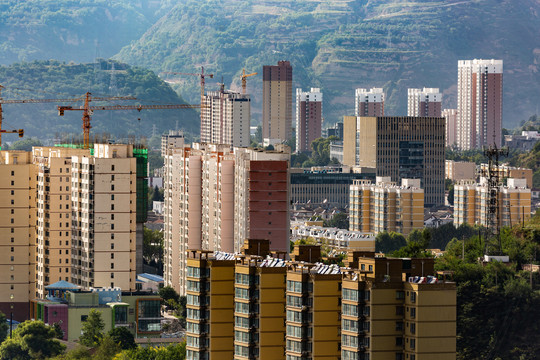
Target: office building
(385,206)
(399,147)
(424,102)
(472,206)
(450,116)
(216,196)
(308,118)
(226,117)
(256,305)
(277,103)
(369,102)
(324,186)
(104,216)
(480,86)
(459,170)
(17,232)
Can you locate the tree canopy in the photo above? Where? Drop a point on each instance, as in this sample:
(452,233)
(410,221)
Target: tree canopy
(92,329)
(31,340)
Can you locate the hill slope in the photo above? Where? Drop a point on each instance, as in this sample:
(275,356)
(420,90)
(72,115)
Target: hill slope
(340,45)
(56,80)
(72,30)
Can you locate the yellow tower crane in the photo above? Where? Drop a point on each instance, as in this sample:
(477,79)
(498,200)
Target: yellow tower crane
(88,111)
(244,77)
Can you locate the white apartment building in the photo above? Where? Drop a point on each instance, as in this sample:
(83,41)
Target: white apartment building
(369,102)
(424,102)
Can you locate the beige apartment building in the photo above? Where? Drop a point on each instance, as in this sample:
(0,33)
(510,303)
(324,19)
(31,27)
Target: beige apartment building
(505,171)
(17,232)
(104,231)
(402,147)
(459,170)
(277,109)
(450,116)
(53,214)
(385,206)
(471,203)
(226,116)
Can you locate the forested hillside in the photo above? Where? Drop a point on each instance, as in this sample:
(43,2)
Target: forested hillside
(341,45)
(56,80)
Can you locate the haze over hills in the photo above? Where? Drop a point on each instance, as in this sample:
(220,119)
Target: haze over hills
(337,45)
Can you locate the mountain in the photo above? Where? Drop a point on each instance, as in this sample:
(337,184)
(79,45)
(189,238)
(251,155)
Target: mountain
(52,79)
(73,30)
(340,45)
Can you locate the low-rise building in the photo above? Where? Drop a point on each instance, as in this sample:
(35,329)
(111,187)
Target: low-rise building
(506,171)
(385,206)
(524,142)
(69,306)
(472,206)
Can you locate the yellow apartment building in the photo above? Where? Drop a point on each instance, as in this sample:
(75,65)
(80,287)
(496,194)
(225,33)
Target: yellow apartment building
(384,206)
(471,202)
(256,305)
(506,171)
(17,232)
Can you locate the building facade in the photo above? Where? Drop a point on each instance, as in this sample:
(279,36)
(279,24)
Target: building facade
(104,218)
(450,116)
(324,186)
(480,86)
(277,103)
(216,196)
(226,118)
(369,102)
(17,233)
(471,203)
(258,306)
(505,171)
(399,147)
(384,206)
(459,170)
(424,102)
(308,118)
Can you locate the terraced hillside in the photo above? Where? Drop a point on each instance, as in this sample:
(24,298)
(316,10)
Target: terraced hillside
(340,45)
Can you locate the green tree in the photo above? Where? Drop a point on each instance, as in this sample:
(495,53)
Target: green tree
(258,135)
(168,292)
(78,353)
(123,337)
(31,340)
(386,242)
(339,220)
(108,348)
(92,329)
(153,246)
(25,144)
(4,327)
(451,196)
(59,333)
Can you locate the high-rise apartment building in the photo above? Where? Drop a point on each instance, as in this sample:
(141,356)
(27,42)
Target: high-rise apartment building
(471,202)
(215,197)
(54,256)
(104,216)
(17,232)
(450,115)
(385,206)
(258,306)
(308,118)
(369,102)
(277,103)
(226,118)
(424,102)
(399,147)
(480,85)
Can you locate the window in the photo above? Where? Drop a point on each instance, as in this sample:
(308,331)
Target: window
(112,265)
(399,341)
(400,295)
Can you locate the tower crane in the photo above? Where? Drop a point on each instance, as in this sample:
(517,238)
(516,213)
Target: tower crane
(34,101)
(244,77)
(88,111)
(202,75)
